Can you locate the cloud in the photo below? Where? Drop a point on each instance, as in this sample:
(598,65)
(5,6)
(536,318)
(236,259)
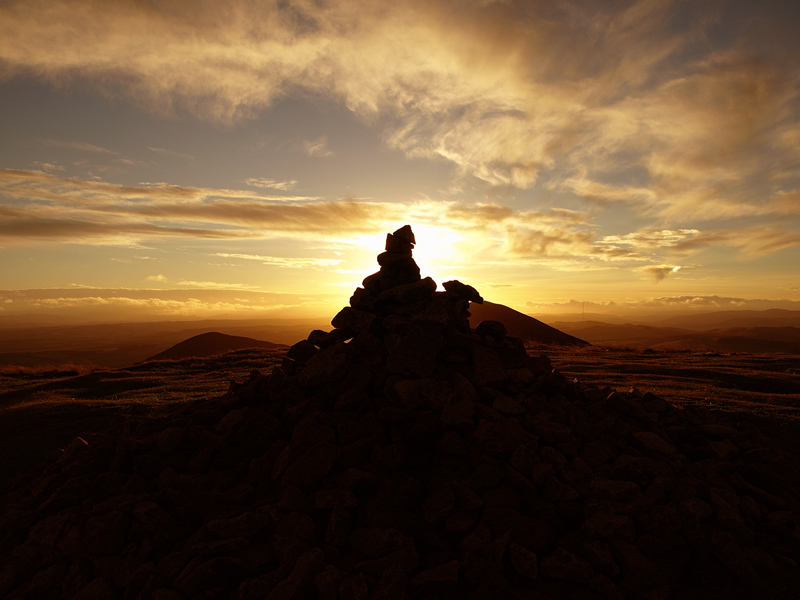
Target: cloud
(195,301)
(656,306)
(170,153)
(158,277)
(215,285)
(38,207)
(644,242)
(639,102)
(81,146)
(660,272)
(317,148)
(292,263)
(48,166)
(262,182)
(549,242)
(751,241)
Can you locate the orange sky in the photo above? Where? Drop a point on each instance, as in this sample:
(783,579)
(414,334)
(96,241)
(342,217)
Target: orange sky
(175,159)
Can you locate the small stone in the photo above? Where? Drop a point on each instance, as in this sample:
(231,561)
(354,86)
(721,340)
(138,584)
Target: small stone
(565,565)
(353,319)
(494,329)
(311,466)
(398,245)
(408,292)
(405,234)
(654,443)
(524,561)
(443,575)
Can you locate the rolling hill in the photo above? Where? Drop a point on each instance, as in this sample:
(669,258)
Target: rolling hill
(730,339)
(209,344)
(521,325)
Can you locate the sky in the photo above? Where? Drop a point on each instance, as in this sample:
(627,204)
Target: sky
(173,159)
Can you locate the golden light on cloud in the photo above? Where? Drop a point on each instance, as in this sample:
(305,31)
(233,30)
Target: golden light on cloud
(243,143)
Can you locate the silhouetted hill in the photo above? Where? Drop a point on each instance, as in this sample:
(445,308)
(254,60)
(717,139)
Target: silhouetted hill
(733,339)
(521,325)
(591,330)
(727,319)
(209,344)
(751,339)
(116,345)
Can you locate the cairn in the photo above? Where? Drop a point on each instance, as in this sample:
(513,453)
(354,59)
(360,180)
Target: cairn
(403,455)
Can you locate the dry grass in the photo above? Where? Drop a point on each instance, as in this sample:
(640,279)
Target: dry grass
(47,410)
(764,384)
(763,389)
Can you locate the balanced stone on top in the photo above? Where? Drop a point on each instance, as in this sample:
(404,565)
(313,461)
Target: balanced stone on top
(397,265)
(398,289)
(398,245)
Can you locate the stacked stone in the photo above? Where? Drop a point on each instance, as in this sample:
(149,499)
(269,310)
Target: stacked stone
(403,456)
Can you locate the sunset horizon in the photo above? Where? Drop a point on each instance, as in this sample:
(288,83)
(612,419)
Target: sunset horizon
(246,160)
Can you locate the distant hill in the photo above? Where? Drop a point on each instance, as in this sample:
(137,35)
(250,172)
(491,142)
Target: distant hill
(209,344)
(521,325)
(607,333)
(729,339)
(726,319)
(749,339)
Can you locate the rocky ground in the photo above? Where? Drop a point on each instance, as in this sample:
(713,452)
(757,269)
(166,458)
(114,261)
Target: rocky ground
(404,455)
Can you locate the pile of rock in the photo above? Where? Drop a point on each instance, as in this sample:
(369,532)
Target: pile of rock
(402,455)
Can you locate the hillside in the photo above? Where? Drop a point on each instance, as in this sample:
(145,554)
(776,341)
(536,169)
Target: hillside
(209,344)
(521,325)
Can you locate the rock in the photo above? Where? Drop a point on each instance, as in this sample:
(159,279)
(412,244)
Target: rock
(494,329)
(524,561)
(352,319)
(465,291)
(405,234)
(566,566)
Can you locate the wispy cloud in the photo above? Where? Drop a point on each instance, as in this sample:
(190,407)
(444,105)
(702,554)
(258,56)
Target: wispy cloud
(40,207)
(272,184)
(48,166)
(613,102)
(752,241)
(658,304)
(165,152)
(81,146)
(215,285)
(196,299)
(292,263)
(317,148)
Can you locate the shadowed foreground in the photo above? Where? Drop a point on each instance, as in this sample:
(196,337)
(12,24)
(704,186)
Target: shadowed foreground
(405,455)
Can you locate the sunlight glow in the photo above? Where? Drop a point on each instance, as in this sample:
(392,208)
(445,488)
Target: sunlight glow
(436,250)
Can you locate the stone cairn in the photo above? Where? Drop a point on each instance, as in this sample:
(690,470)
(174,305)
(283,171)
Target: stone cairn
(403,455)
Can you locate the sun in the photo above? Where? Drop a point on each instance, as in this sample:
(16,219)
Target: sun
(436,251)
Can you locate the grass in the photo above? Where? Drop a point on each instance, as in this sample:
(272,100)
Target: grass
(763,389)
(47,410)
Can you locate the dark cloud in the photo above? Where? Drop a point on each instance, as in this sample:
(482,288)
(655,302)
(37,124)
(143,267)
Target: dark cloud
(660,272)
